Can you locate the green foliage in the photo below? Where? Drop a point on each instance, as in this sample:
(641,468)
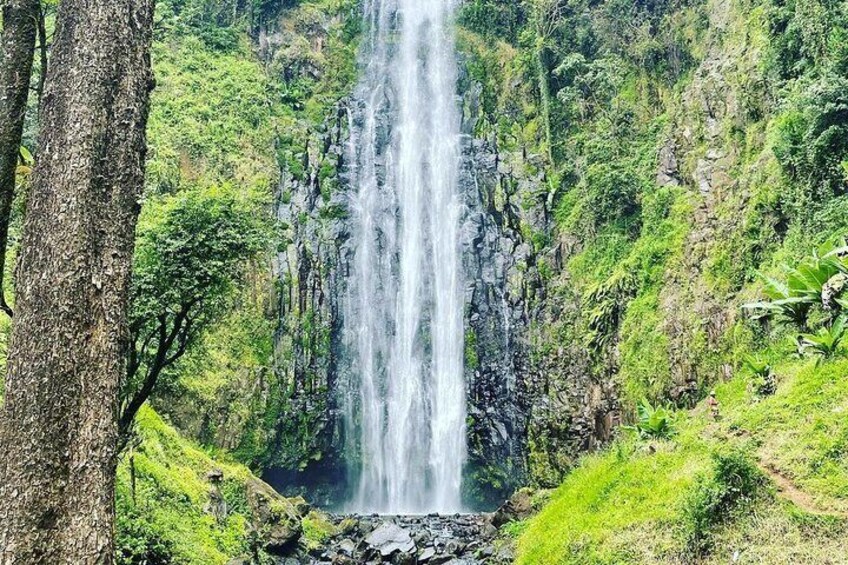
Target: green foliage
(472,360)
(611,197)
(805,287)
(211,121)
(827,342)
(807,36)
(317,529)
(514,529)
(191,248)
(162,491)
(632,505)
(654,422)
(190,254)
(138,542)
(733,483)
(501,20)
(764,378)
(608,303)
(811,141)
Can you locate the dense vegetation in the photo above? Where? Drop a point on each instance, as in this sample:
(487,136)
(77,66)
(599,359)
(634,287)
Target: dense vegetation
(225,120)
(694,157)
(693,149)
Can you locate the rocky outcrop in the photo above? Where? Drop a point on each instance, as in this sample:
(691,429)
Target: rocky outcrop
(275,520)
(402,540)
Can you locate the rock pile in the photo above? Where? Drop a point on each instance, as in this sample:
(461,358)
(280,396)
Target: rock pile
(411,540)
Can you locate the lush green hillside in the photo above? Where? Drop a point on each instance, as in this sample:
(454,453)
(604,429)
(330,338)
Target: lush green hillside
(692,146)
(670,162)
(767,480)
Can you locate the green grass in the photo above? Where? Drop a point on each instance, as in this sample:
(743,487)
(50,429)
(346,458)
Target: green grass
(628,503)
(803,429)
(171,493)
(610,496)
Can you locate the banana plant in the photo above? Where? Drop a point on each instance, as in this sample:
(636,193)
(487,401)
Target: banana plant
(654,422)
(805,286)
(827,342)
(765,380)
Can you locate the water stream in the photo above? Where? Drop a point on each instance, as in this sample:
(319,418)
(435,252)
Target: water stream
(405,405)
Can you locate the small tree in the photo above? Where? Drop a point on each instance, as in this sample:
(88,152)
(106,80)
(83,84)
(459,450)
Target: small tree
(191,251)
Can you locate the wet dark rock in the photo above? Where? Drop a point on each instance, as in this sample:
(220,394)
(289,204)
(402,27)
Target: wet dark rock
(389,538)
(409,540)
(275,518)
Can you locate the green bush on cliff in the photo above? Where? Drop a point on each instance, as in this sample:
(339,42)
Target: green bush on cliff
(732,483)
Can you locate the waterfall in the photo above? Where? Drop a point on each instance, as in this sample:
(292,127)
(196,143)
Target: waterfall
(405,405)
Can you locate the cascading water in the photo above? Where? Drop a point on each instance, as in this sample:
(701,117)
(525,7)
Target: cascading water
(404,337)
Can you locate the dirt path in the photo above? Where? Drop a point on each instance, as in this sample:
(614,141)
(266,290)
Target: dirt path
(787,490)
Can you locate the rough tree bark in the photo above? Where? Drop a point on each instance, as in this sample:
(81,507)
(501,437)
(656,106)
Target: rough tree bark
(17,49)
(69,342)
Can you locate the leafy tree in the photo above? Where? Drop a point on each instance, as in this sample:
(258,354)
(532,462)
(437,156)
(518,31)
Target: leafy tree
(491,18)
(190,254)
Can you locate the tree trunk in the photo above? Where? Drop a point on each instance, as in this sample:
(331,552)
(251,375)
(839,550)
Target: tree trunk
(17,48)
(68,346)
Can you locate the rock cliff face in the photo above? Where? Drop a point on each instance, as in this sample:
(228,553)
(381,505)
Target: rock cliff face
(534,400)
(310,269)
(518,392)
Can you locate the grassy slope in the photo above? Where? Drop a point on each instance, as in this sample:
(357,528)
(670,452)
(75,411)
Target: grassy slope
(627,504)
(632,502)
(170,506)
(171,493)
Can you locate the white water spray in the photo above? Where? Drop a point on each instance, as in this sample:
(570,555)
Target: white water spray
(404,336)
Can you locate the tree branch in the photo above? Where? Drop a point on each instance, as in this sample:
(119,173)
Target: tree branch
(166,339)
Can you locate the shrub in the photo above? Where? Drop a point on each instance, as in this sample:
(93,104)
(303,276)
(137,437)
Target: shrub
(612,197)
(733,483)
(138,543)
(811,140)
(764,378)
(654,422)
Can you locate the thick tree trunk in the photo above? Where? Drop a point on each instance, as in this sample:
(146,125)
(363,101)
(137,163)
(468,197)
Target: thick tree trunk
(68,346)
(17,48)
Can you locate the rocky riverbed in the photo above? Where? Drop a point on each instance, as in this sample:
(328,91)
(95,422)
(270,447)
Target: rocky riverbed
(460,539)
